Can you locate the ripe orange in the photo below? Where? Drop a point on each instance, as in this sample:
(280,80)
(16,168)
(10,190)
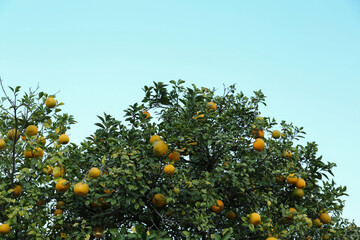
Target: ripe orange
(258,133)
(218,207)
(160,148)
(38,152)
(28,154)
(298,193)
(4,228)
(17,190)
(94,172)
(58,212)
(59,171)
(146,113)
(291,179)
(64,139)
(62,185)
(230,214)
(50,102)
(309,222)
(159,200)
(31,130)
(317,222)
(287,154)
(211,106)
(174,156)
(41,139)
(271,238)
(259,144)
(11,134)
(169,170)
(2,144)
(47,170)
(276,134)
(255,219)
(292,210)
(81,189)
(155,138)
(300,183)
(325,218)
(60,204)
(280,179)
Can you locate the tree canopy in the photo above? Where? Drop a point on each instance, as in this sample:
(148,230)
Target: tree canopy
(185,164)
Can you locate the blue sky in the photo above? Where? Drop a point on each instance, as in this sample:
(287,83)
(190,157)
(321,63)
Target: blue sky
(304,56)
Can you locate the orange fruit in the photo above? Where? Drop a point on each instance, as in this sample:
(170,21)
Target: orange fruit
(159,200)
(169,170)
(259,144)
(28,154)
(287,154)
(291,179)
(11,134)
(154,138)
(109,191)
(309,222)
(81,189)
(2,144)
(60,204)
(38,152)
(17,190)
(50,102)
(230,214)
(47,170)
(292,210)
(58,212)
(198,116)
(4,228)
(98,232)
(211,106)
(64,139)
(258,133)
(62,185)
(298,193)
(325,237)
(41,140)
(94,172)
(59,171)
(325,218)
(276,134)
(271,238)
(255,219)
(280,179)
(174,156)
(160,148)
(218,207)
(146,113)
(300,183)
(31,130)
(317,222)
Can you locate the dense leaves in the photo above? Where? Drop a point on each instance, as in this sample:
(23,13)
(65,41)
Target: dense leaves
(217,162)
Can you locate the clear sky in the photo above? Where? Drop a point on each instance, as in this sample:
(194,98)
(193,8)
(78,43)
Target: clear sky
(304,55)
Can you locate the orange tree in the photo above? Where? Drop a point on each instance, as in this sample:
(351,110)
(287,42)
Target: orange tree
(30,125)
(189,164)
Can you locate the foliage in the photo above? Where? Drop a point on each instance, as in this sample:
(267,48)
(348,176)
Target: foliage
(218,162)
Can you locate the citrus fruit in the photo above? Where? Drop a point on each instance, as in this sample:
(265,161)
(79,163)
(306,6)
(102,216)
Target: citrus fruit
(280,179)
(276,134)
(64,139)
(218,207)
(159,200)
(255,219)
(211,106)
(174,156)
(325,218)
(47,170)
(59,171)
(50,102)
(81,189)
(258,133)
(160,148)
(2,144)
(60,204)
(291,179)
(17,190)
(58,212)
(11,134)
(230,214)
(62,185)
(169,170)
(309,222)
(94,172)
(292,210)
(259,144)
(4,228)
(300,183)
(317,222)
(31,130)
(38,152)
(28,154)
(271,238)
(154,138)
(41,139)
(298,193)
